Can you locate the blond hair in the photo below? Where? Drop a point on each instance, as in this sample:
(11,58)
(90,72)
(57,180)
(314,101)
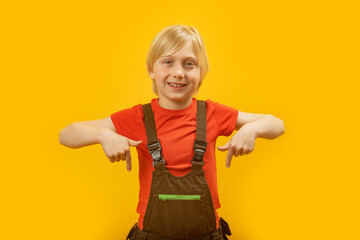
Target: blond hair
(170,40)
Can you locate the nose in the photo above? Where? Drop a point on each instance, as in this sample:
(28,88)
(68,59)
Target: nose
(178,71)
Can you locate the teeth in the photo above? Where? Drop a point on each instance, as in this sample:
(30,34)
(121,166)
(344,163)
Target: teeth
(175,85)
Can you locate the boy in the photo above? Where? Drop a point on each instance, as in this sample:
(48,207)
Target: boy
(175,137)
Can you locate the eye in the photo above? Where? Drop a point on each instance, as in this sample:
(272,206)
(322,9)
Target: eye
(189,64)
(167,61)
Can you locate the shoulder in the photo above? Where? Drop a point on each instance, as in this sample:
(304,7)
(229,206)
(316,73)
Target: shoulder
(224,116)
(129,120)
(213,104)
(134,111)
(218,108)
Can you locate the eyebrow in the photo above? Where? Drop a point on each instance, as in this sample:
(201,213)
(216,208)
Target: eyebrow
(186,57)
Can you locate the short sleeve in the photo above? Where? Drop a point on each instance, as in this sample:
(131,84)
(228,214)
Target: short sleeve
(225,117)
(128,121)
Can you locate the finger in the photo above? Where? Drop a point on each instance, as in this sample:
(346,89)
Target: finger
(117,158)
(134,143)
(241,152)
(244,152)
(128,161)
(122,156)
(112,159)
(237,152)
(229,157)
(225,147)
(248,151)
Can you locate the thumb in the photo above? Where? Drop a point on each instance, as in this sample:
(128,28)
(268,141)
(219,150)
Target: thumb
(225,147)
(134,143)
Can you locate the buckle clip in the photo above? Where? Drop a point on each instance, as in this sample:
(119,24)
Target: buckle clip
(199,150)
(155,152)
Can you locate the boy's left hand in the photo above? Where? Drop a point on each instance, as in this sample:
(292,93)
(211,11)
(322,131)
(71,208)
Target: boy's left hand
(241,143)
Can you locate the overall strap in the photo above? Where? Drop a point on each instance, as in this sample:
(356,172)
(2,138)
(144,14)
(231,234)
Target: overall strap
(153,142)
(200,143)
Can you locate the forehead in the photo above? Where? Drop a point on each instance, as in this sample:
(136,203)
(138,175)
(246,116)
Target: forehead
(185,52)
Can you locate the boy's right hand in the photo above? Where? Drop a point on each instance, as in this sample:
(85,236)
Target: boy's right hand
(117,147)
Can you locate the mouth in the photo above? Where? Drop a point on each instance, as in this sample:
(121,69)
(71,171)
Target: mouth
(176,85)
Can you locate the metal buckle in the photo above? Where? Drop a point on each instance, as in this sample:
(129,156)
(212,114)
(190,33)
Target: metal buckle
(155,153)
(198,152)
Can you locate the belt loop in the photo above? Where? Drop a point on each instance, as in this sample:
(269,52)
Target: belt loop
(224,227)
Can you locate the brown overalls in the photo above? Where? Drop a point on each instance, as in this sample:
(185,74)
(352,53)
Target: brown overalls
(179,207)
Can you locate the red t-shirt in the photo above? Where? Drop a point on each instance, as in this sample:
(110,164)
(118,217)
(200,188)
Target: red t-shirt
(176,130)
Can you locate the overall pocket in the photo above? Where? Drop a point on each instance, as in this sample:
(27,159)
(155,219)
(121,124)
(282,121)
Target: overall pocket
(179,216)
(165,197)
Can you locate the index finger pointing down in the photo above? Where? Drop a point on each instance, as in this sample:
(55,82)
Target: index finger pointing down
(128,161)
(229,157)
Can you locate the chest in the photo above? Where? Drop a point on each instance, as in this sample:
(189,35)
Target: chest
(177,134)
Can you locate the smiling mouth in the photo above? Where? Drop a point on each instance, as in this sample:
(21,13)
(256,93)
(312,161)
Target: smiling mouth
(177,85)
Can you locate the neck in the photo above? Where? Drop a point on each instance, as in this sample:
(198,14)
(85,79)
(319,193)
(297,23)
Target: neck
(172,105)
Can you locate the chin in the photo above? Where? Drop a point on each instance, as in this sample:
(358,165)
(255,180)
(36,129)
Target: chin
(180,99)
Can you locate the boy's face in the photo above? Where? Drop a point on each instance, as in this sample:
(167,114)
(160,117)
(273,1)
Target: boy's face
(177,77)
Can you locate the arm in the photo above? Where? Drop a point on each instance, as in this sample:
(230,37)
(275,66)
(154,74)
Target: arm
(264,125)
(251,126)
(115,146)
(81,134)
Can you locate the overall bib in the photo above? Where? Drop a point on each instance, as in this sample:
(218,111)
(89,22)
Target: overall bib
(179,207)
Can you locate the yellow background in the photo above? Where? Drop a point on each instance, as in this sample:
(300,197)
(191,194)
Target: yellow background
(67,61)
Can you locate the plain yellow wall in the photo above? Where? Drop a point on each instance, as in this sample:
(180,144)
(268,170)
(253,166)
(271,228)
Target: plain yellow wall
(70,61)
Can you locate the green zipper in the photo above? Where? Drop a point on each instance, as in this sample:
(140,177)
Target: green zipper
(178,197)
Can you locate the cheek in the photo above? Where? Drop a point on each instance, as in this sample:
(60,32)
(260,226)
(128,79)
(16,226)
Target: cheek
(160,80)
(161,72)
(196,73)
(196,76)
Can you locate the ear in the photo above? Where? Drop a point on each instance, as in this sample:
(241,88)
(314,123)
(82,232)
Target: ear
(198,87)
(200,82)
(152,75)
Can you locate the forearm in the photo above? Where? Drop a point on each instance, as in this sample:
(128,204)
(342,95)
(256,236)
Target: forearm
(268,127)
(78,135)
